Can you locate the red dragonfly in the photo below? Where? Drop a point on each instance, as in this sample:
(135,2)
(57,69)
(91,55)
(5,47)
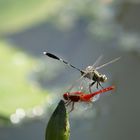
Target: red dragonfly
(79,96)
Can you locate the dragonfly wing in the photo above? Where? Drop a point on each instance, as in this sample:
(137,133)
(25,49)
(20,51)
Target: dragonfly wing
(74,83)
(81,107)
(95,98)
(97,61)
(112,61)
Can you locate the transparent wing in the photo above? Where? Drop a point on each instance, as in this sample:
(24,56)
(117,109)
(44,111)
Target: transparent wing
(97,61)
(81,107)
(74,83)
(112,61)
(95,98)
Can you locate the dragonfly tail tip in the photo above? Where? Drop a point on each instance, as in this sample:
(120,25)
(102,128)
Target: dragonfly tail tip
(45,52)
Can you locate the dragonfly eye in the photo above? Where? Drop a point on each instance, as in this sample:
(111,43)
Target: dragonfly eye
(89,68)
(65,96)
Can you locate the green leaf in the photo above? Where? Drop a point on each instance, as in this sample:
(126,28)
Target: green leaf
(17,15)
(58,125)
(18,87)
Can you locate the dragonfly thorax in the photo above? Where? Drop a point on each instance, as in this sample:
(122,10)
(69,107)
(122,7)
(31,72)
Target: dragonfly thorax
(94,75)
(72,97)
(89,72)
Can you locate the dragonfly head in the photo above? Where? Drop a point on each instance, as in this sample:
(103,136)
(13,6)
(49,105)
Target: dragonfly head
(87,71)
(89,68)
(103,78)
(66,96)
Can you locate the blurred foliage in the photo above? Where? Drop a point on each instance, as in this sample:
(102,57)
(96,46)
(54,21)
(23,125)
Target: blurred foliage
(91,10)
(97,16)
(19,14)
(17,89)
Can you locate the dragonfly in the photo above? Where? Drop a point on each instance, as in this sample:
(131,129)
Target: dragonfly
(90,72)
(78,96)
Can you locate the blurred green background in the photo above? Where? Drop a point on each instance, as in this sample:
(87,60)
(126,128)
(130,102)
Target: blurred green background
(79,31)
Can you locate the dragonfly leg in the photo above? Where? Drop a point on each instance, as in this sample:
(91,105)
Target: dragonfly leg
(99,84)
(68,102)
(72,108)
(91,86)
